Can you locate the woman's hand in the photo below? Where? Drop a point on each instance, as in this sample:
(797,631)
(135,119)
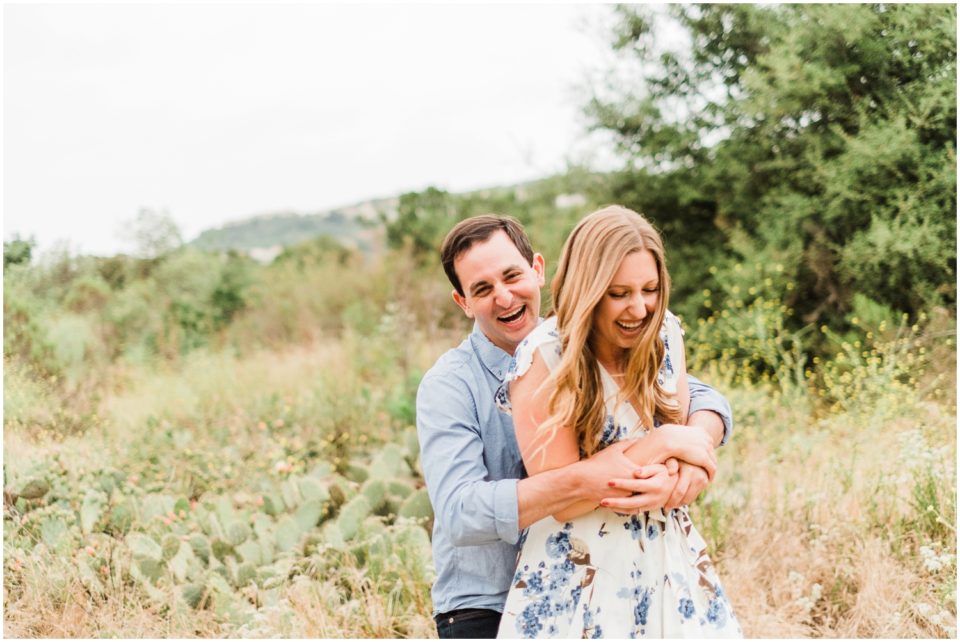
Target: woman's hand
(652,488)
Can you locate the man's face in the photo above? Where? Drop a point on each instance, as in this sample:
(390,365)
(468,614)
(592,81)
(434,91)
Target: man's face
(500,290)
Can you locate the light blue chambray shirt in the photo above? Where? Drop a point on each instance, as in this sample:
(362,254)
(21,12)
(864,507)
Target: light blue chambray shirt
(471,463)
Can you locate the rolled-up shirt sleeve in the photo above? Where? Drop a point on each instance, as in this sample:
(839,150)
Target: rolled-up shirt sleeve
(704,397)
(470,507)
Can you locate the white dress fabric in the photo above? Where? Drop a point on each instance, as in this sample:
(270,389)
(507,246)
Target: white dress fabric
(604,574)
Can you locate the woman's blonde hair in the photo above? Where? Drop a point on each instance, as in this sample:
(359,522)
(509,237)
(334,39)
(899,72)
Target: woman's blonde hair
(591,256)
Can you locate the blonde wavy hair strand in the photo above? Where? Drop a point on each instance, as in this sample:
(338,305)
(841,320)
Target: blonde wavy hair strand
(590,257)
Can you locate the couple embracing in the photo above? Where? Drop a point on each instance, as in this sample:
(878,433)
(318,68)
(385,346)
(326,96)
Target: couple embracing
(560,454)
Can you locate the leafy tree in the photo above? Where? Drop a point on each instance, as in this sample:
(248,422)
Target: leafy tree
(230,295)
(422,220)
(154,233)
(818,137)
(312,252)
(17,251)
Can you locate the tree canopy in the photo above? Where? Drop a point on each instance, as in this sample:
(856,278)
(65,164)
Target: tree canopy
(820,138)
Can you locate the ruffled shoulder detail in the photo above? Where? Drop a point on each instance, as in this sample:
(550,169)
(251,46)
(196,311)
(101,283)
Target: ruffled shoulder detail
(545,338)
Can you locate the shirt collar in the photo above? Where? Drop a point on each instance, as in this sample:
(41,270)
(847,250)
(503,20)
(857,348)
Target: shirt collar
(494,359)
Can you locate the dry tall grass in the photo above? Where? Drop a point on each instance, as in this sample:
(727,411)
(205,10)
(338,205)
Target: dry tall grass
(823,525)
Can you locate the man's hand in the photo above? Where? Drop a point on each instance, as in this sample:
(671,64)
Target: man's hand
(650,488)
(691,481)
(691,444)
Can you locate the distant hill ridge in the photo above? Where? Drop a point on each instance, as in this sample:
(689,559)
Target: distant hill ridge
(356,226)
(264,235)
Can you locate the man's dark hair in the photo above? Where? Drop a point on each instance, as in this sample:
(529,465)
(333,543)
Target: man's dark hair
(477,229)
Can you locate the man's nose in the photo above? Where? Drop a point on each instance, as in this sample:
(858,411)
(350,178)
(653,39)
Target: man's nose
(502,295)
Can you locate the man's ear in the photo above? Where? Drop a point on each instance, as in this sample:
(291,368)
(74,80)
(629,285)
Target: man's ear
(540,267)
(461,301)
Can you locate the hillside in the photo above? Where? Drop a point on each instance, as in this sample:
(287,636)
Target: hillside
(265,235)
(354,226)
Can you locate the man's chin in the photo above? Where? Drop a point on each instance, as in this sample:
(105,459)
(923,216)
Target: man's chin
(520,332)
(509,338)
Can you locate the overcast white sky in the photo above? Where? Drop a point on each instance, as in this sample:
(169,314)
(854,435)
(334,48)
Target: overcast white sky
(220,112)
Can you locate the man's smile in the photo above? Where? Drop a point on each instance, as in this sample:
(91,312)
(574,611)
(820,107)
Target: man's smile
(512,315)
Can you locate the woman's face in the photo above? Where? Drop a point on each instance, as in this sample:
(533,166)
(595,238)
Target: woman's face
(630,300)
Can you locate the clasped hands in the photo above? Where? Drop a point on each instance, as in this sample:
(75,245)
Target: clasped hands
(666,469)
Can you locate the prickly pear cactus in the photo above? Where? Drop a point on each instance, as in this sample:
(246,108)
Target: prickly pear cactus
(388,463)
(352,514)
(417,506)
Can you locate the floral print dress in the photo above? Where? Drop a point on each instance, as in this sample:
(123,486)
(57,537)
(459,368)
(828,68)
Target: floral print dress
(604,574)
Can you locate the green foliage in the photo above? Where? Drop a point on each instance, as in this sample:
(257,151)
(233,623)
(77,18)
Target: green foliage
(800,163)
(17,251)
(24,335)
(424,218)
(819,137)
(154,233)
(314,252)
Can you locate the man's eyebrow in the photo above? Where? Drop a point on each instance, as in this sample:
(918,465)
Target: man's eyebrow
(477,285)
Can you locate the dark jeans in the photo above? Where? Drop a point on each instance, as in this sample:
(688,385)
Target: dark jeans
(468,623)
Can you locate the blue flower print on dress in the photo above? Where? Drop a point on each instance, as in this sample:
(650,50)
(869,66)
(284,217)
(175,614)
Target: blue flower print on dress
(560,574)
(529,624)
(667,369)
(558,544)
(649,571)
(642,610)
(641,597)
(716,614)
(635,526)
(534,583)
(575,595)
(523,537)
(591,628)
(610,432)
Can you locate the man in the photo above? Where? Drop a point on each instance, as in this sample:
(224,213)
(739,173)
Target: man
(475,477)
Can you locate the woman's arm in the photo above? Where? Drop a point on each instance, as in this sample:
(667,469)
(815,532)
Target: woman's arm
(691,478)
(543,453)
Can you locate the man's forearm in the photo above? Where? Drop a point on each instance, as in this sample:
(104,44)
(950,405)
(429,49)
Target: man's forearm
(703,397)
(551,492)
(709,421)
(574,488)
(547,493)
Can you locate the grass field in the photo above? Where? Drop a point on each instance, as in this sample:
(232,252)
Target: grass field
(278,494)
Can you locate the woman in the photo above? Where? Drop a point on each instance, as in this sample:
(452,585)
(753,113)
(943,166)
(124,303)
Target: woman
(609,366)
